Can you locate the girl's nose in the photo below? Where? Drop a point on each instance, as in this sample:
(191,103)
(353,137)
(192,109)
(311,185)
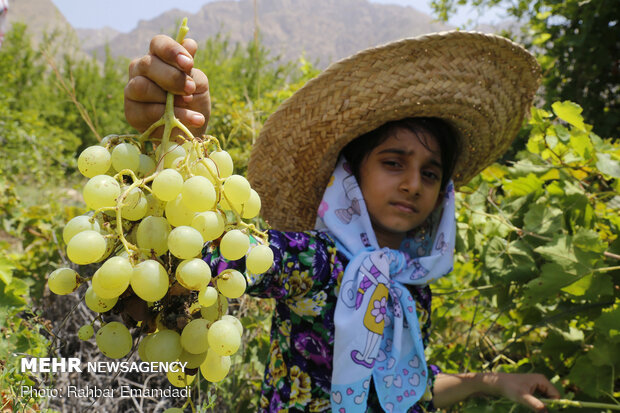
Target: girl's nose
(411,183)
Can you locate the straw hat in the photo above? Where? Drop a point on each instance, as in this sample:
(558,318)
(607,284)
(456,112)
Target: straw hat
(482,84)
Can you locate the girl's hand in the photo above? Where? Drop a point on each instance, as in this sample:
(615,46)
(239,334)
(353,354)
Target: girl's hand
(520,388)
(168,67)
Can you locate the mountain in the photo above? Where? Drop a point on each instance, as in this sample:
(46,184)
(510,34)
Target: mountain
(92,38)
(326,30)
(41,16)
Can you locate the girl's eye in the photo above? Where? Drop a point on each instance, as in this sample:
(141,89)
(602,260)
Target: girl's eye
(431,175)
(391,164)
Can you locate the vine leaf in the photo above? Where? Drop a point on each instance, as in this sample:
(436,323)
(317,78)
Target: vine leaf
(607,165)
(542,219)
(569,112)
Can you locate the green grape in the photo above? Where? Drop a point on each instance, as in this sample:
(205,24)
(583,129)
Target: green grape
(224,338)
(179,378)
(225,205)
(167,185)
(110,246)
(86,247)
(63,281)
(85,332)
(134,205)
(215,367)
(259,259)
(147,166)
(234,245)
(185,242)
(177,213)
(77,225)
(251,207)
(164,346)
(114,340)
(154,206)
(192,360)
(231,283)
(205,167)
(125,156)
(237,189)
(142,348)
(94,160)
(115,273)
(107,142)
(170,153)
(207,296)
(98,304)
(210,224)
(189,149)
(224,163)
(152,234)
(149,281)
(101,191)
(215,311)
(102,291)
(234,320)
(194,336)
(193,274)
(198,194)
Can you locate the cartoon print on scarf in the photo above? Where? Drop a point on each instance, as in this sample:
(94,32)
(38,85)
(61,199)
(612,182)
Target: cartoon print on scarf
(377,332)
(349,184)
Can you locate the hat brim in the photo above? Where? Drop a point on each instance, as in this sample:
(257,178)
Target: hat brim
(482,84)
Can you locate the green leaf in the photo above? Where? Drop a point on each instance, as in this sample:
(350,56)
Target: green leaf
(592,381)
(523,186)
(573,260)
(608,324)
(569,112)
(542,219)
(542,38)
(580,286)
(6,270)
(551,280)
(562,133)
(582,145)
(510,261)
(604,353)
(607,165)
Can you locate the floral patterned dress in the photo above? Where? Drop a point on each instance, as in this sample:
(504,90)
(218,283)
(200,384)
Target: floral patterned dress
(304,281)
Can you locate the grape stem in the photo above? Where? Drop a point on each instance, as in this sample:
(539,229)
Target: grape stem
(580,404)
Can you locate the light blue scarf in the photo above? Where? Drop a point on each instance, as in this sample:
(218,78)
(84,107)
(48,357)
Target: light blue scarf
(377,331)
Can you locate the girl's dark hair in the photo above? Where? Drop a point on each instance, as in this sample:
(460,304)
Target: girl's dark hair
(447,139)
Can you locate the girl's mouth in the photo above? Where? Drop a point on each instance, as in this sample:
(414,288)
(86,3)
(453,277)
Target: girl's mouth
(404,207)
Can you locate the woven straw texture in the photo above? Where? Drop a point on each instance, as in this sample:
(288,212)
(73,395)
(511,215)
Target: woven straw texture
(482,84)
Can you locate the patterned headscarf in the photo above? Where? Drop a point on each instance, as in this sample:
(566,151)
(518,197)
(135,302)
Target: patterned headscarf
(377,330)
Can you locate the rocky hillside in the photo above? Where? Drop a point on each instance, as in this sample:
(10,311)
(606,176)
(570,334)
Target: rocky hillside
(325,30)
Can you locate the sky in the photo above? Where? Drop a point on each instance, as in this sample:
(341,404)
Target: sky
(123,15)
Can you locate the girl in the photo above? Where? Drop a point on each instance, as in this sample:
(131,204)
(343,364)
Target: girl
(368,154)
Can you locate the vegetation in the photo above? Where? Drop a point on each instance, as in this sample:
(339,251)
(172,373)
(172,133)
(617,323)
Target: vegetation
(576,44)
(536,280)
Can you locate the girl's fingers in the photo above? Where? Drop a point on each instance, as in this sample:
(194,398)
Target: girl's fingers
(141,89)
(164,75)
(533,403)
(142,115)
(191,46)
(172,53)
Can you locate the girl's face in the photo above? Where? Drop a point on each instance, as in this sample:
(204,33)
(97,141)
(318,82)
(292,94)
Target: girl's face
(401,183)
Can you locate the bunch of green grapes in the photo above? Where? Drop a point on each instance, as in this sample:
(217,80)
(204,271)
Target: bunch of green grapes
(152,209)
